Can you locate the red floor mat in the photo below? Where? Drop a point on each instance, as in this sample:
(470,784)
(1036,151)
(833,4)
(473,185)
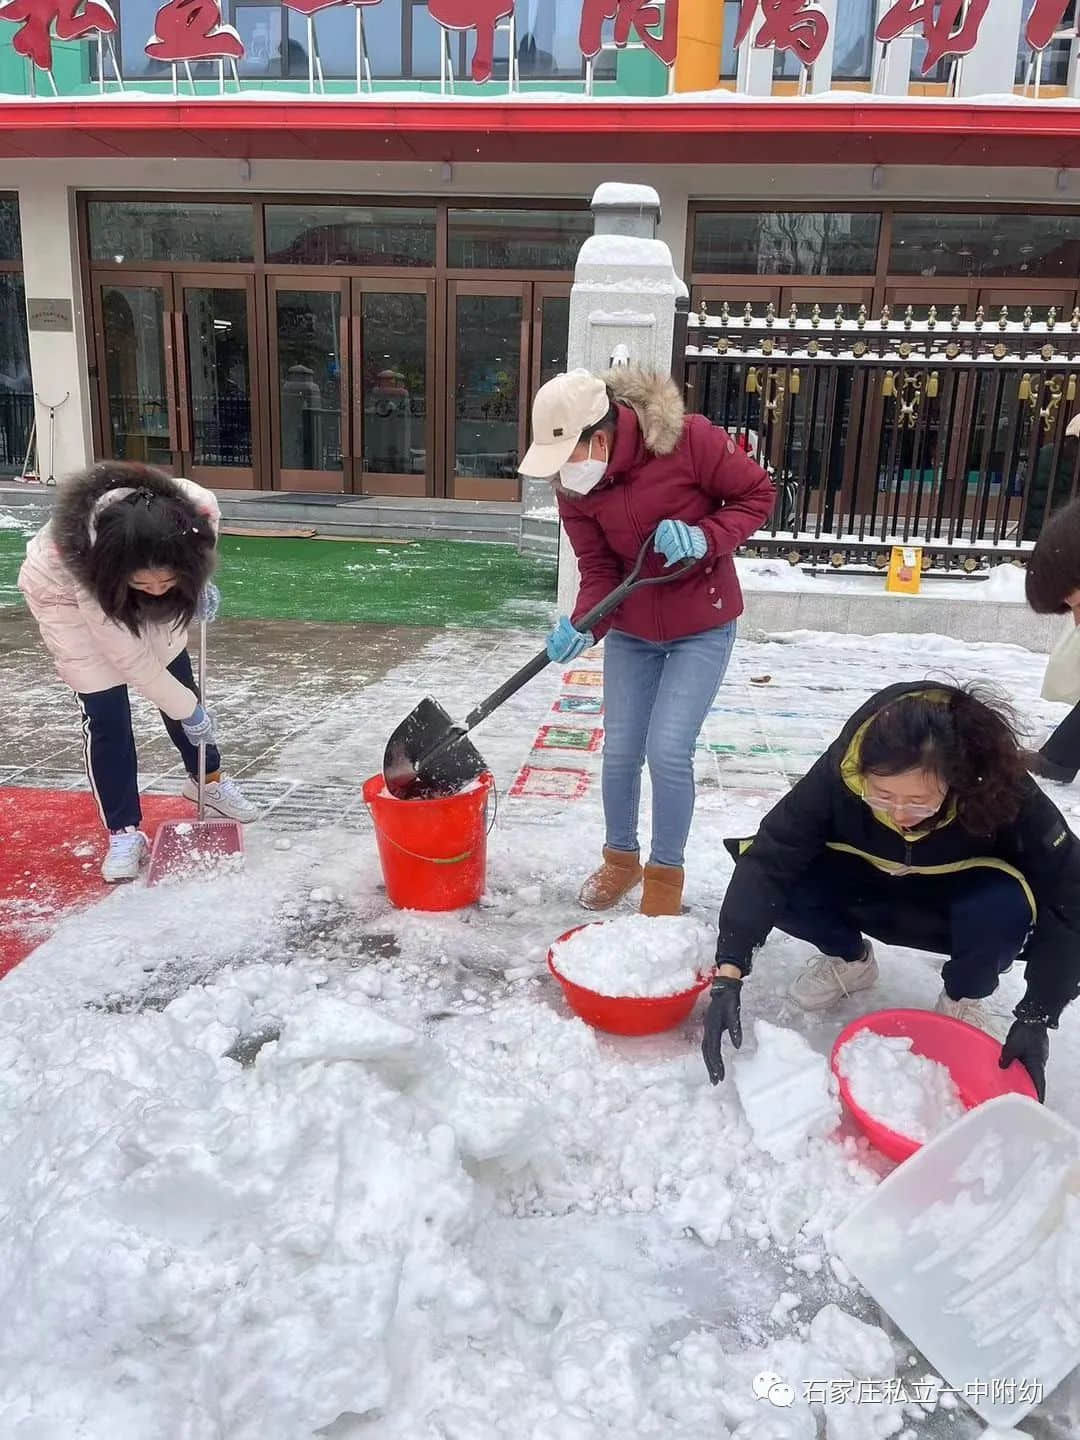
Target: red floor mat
(51,849)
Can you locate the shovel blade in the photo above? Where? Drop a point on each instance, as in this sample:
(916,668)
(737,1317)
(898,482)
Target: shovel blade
(188,847)
(427,756)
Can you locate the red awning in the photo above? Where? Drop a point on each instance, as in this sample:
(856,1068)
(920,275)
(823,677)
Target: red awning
(749,132)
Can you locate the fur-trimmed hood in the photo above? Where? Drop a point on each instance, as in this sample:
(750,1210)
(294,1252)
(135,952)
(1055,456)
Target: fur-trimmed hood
(80,499)
(656,401)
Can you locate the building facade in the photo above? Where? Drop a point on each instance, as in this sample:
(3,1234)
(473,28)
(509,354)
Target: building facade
(329,248)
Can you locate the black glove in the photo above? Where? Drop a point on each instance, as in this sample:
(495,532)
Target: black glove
(1029,1043)
(722,1014)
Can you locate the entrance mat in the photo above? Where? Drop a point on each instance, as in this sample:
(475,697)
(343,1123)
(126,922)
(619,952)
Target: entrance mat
(51,849)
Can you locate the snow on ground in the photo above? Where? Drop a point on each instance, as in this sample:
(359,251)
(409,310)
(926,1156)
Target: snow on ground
(282,1162)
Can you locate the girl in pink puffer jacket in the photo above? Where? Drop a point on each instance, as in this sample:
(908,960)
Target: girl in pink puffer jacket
(113,581)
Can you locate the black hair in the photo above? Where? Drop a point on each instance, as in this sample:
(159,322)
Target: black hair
(1053,568)
(966,736)
(610,422)
(154,528)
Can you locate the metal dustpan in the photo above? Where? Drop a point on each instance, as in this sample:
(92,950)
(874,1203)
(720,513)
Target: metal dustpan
(188,847)
(429,754)
(972,1248)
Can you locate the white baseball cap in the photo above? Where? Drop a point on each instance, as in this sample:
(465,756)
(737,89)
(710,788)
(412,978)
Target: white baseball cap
(563,408)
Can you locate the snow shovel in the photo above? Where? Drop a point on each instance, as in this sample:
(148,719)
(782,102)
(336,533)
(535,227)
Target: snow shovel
(970,1248)
(429,754)
(182,847)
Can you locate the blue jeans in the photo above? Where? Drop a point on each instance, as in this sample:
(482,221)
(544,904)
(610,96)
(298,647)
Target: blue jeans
(656,698)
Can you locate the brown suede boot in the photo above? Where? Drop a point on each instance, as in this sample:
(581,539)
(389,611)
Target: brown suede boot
(619,874)
(663,890)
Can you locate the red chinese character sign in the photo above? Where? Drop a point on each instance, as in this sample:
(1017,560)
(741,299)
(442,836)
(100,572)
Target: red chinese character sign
(791,25)
(73,20)
(186,30)
(641,16)
(1047,17)
(479,15)
(949,27)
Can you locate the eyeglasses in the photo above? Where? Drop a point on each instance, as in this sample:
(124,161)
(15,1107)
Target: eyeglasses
(895,807)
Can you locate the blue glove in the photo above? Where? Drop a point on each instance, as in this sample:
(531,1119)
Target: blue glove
(676,540)
(565,643)
(208,603)
(199,727)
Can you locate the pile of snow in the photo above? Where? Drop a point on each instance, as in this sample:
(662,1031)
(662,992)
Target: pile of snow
(1006,582)
(909,1093)
(772,574)
(787,1091)
(637,955)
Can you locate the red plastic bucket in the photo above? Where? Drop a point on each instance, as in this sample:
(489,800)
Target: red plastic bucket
(433,852)
(970,1055)
(624,1014)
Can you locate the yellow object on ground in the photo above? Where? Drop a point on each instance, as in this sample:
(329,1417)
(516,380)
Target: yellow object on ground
(905,570)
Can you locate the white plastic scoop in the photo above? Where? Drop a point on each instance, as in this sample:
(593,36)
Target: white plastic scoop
(972,1247)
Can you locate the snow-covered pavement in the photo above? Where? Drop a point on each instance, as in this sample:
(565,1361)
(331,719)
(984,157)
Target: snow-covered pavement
(279,1161)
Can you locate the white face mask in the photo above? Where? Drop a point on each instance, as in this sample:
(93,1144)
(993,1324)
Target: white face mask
(581,476)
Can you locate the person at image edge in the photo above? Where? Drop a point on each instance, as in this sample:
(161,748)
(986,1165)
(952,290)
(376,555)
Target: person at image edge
(919,826)
(113,581)
(631,465)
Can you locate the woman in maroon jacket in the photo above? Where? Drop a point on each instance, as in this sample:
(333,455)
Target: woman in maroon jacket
(631,464)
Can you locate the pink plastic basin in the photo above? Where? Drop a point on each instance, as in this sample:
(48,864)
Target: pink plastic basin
(969,1055)
(624,1014)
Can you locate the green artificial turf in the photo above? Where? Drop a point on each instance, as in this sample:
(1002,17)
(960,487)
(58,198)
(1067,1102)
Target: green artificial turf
(429,582)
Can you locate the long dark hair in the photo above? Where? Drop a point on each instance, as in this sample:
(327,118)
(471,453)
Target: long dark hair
(1053,568)
(964,734)
(153,528)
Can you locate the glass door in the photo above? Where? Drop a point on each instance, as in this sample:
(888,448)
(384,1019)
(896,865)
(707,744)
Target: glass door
(394,396)
(217,396)
(488,361)
(136,369)
(309,383)
(550,332)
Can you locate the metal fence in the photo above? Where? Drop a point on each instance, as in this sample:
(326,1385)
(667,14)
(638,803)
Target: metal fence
(16,423)
(939,432)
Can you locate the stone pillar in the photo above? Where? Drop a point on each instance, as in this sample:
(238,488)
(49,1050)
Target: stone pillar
(891,74)
(990,69)
(57,355)
(622,305)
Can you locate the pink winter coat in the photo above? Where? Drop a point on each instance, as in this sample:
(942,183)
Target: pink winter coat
(665,465)
(90,651)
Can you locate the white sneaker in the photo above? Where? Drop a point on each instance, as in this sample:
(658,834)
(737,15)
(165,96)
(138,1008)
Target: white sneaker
(827,980)
(128,852)
(225,798)
(972,1012)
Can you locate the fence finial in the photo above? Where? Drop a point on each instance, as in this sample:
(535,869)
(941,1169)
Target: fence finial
(1051,317)
(1028,316)
(1003,318)
(886,316)
(909,316)
(861,322)
(931,319)
(838,320)
(770,313)
(748,314)
(725,313)
(1074,323)
(793,314)
(815,315)
(980,318)
(956,313)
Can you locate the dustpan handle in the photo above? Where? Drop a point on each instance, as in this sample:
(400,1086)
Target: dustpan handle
(202,702)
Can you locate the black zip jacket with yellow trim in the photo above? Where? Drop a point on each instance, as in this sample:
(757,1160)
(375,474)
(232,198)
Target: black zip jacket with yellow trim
(824,811)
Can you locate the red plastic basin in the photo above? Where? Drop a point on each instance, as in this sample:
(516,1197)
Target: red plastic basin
(970,1056)
(624,1014)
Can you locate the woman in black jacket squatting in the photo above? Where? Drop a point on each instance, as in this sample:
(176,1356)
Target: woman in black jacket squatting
(918,827)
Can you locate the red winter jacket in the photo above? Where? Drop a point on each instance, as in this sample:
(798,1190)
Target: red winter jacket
(666,465)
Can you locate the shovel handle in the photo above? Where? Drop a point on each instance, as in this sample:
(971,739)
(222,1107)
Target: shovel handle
(599,612)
